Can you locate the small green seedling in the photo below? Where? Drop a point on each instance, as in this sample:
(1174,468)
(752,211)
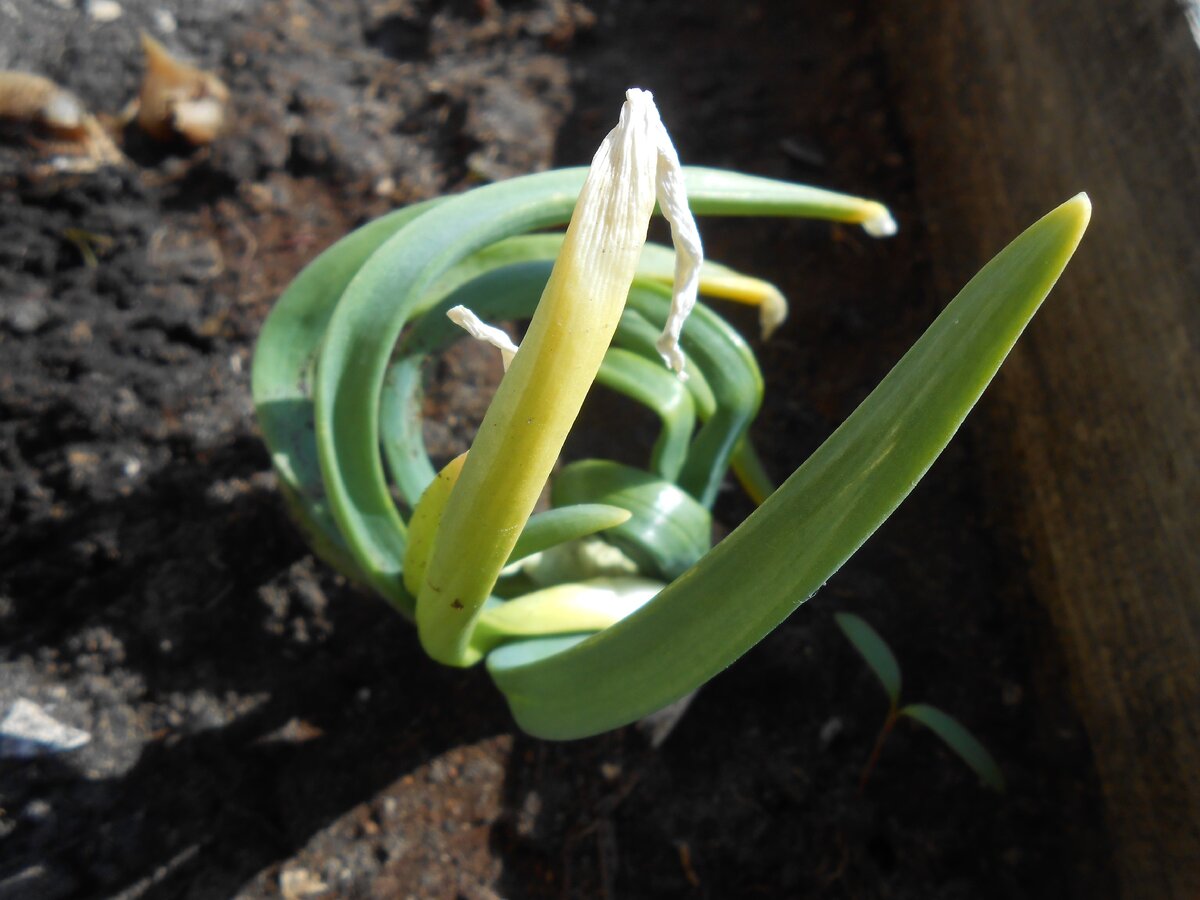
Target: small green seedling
(878,655)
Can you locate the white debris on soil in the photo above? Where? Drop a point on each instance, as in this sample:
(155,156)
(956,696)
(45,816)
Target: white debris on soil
(295,884)
(28,731)
(830,730)
(165,22)
(104,10)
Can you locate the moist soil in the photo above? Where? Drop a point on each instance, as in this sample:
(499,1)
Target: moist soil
(260,728)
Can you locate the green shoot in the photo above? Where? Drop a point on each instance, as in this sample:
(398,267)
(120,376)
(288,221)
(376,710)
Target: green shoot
(613,603)
(879,657)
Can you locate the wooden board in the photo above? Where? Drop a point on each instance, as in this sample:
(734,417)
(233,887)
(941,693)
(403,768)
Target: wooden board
(1012,107)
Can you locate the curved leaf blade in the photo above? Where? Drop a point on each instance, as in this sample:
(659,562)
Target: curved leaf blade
(731,371)
(573,608)
(751,474)
(422,527)
(568,523)
(282,372)
(803,533)
(956,736)
(667,531)
(654,386)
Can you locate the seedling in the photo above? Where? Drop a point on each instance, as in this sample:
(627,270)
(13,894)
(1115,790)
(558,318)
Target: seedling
(611,604)
(879,657)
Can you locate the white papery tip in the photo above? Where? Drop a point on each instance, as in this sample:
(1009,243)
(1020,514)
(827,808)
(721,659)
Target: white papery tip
(481,331)
(689,254)
(881,224)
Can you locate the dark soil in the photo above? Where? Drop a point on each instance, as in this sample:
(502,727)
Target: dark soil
(258,727)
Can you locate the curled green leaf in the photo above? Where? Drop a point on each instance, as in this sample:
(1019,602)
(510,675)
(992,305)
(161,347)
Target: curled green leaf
(567,523)
(955,736)
(667,531)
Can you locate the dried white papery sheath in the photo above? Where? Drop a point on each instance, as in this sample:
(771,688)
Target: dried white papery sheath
(489,334)
(641,124)
(672,200)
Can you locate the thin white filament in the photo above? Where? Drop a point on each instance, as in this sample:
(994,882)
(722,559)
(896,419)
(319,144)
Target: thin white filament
(481,331)
(689,254)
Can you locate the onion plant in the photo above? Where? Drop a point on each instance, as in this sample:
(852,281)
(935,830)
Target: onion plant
(611,603)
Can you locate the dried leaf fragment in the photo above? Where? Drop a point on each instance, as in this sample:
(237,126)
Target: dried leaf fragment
(29,99)
(42,109)
(179,100)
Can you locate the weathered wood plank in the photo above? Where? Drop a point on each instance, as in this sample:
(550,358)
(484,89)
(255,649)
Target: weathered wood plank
(1012,107)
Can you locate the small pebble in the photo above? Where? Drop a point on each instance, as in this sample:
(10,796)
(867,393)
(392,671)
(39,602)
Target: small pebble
(27,316)
(295,884)
(164,21)
(28,731)
(37,811)
(830,730)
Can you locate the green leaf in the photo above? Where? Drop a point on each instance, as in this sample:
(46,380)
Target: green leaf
(957,738)
(423,525)
(282,375)
(636,334)
(874,650)
(668,530)
(524,248)
(750,471)
(802,534)
(572,608)
(732,373)
(654,386)
(557,526)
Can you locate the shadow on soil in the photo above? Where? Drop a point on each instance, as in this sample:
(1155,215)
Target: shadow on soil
(264,712)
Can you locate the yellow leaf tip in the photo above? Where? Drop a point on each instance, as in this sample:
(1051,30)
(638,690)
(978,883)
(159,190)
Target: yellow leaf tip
(1074,215)
(879,222)
(1082,204)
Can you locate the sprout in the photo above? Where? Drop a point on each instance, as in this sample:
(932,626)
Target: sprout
(878,655)
(580,642)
